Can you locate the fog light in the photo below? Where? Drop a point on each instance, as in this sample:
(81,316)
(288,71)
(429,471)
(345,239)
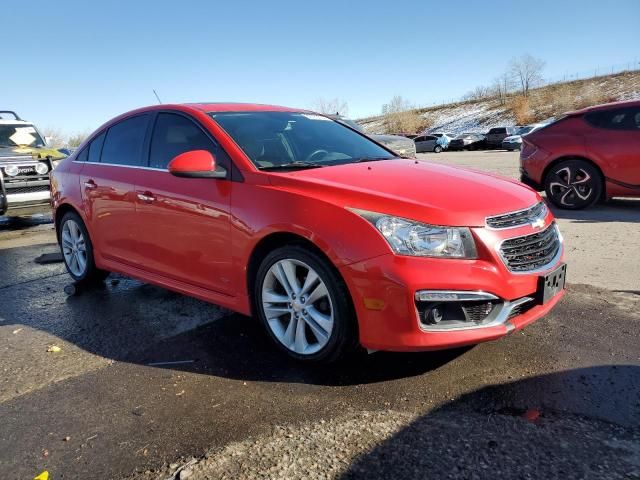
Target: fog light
(42,168)
(11,170)
(433,315)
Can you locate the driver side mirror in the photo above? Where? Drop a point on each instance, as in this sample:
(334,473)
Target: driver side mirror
(196,164)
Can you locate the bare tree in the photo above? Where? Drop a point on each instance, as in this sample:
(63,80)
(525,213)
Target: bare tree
(54,137)
(478,93)
(501,87)
(76,139)
(335,106)
(526,71)
(400,116)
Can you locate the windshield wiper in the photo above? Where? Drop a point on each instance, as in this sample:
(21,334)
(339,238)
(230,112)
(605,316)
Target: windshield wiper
(292,166)
(370,159)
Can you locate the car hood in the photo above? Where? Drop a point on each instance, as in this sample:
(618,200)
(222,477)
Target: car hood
(30,152)
(424,191)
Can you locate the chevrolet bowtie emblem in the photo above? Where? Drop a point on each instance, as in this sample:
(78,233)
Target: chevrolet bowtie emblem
(539,223)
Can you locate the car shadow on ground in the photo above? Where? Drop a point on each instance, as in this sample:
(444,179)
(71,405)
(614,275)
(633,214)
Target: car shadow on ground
(22,223)
(582,423)
(615,210)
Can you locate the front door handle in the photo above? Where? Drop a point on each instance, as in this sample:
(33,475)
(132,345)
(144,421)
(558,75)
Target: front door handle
(90,185)
(146,197)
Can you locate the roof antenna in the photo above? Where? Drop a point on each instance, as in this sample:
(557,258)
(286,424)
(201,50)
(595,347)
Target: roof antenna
(154,92)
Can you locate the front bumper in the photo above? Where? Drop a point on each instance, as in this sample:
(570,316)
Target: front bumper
(24,195)
(384,294)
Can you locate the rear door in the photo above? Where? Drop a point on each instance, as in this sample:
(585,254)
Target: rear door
(107,178)
(615,141)
(184,222)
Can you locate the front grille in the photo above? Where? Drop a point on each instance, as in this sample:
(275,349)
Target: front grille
(27,189)
(518,218)
(531,252)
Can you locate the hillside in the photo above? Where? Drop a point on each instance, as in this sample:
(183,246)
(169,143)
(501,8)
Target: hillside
(543,103)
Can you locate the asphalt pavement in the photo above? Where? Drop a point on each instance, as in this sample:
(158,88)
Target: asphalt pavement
(128,380)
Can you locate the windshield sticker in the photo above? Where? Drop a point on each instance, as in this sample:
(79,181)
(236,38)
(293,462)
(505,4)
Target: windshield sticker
(23,136)
(311,116)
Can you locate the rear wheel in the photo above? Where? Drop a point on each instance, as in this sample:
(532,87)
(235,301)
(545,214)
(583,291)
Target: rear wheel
(437,149)
(77,250)
(304,305)
(573,184)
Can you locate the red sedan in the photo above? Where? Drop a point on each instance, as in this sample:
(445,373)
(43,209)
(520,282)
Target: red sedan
(326,236)
(586,156)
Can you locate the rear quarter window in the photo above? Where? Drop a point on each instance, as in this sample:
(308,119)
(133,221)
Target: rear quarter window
(614,119)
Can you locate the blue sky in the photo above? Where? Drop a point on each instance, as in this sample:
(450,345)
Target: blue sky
(75,64)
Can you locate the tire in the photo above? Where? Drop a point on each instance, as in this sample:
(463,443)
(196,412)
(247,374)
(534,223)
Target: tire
(319,329)
(573,184)
(77,250)
(437,149)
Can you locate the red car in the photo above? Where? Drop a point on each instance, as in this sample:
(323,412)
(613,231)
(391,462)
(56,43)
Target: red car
(326,236)
(586,156)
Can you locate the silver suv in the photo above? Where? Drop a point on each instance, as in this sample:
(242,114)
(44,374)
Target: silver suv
(25,163)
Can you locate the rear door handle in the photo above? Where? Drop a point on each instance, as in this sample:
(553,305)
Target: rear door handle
(90,185)
(146,197)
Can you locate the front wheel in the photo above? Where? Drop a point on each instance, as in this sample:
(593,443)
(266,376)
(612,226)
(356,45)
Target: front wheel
(573,184)
(77,250)
(304,305)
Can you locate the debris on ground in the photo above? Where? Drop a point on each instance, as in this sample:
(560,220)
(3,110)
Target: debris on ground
(47,258)
(54,349)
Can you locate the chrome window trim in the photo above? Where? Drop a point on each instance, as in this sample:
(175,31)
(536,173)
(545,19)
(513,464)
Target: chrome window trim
(486,220)
(543,268)
(123,166)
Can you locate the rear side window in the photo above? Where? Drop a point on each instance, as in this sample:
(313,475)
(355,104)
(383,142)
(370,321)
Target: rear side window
(497,130)
(174,134)
(616,119)
(95,148)
(124,141)
(82,156)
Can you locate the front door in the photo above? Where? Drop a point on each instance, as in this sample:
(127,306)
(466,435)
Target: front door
(184,225)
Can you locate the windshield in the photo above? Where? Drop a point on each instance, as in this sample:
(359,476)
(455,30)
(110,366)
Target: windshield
(272,139)
(19,134)
(524,130)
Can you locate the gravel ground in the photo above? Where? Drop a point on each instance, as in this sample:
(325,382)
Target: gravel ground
(451,443)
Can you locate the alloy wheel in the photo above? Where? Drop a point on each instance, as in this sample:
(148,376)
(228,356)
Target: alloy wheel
(297,306)
(571,186)
(74,248)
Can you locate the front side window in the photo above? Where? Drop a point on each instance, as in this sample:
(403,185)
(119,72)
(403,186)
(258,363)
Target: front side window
(279,139)
(174,134)
(124,142)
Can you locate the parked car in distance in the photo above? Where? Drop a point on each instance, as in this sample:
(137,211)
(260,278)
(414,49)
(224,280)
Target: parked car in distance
(514,142)
(328,238)
(25,163)
(445,138)
(429,143)
(401,144)
(468,141)
(587,155)
(496,135)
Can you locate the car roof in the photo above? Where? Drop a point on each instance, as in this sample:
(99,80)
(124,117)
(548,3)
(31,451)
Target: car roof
(240,107)
(6,121)
(604,106)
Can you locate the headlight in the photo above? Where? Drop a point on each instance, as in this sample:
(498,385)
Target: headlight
(408,237)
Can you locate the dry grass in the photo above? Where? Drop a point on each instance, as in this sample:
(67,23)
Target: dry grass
(408,121)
